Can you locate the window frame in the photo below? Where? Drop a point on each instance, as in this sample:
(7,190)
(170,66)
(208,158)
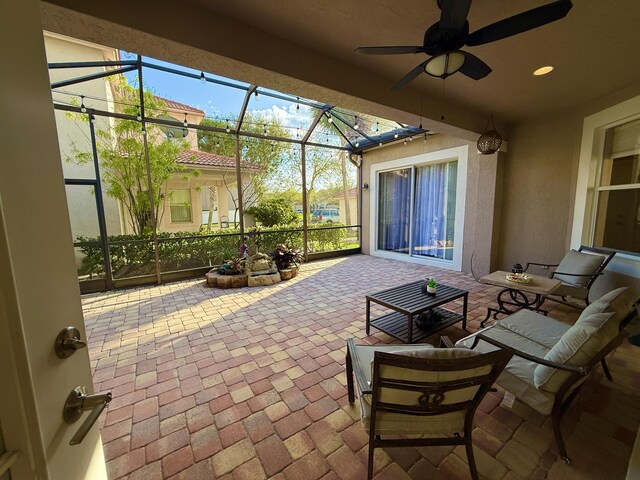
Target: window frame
(592,152)
(459,154)
(171,220)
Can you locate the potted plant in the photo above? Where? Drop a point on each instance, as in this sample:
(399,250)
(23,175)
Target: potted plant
(429,287)
(234,266)
(287,260)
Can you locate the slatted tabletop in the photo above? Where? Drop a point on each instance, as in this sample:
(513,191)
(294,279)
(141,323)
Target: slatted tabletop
(409,299)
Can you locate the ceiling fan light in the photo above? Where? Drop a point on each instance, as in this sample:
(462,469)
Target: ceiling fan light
(543,70)
(444,65)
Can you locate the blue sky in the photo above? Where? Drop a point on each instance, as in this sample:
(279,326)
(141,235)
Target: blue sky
(215,100)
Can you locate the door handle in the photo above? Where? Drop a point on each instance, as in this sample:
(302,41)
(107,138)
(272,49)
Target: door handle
(68,341)
(78,402)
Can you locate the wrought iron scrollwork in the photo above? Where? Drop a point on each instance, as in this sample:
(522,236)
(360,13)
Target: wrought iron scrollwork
(431,399)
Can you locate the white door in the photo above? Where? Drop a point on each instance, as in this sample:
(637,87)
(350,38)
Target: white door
(39,295)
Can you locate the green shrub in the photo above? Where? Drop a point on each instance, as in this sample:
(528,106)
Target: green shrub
(132,255)
(274,212)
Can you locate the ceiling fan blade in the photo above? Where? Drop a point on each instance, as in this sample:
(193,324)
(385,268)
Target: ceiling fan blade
(409,76)
(520,23)
(393,50)
(454,13)
(473,67)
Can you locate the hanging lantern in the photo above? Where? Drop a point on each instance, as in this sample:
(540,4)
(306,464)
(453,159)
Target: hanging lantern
(490,141)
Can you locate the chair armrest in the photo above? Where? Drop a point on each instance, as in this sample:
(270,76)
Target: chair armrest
(590,275)
(445,342)
(545,265)
(361,380)
(582,370)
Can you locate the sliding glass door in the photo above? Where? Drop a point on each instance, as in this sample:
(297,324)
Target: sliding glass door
(394,210)
(416,210)
(434,210)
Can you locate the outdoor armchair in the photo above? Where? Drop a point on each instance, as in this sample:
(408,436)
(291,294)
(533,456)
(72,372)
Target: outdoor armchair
(417,395)
(577,271)
(553,359)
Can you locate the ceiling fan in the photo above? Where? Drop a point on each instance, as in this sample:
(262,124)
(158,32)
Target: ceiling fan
(444,39)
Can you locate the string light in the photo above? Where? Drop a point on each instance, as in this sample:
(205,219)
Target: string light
(92,118)
(298,104)
(138,116)
(405,142)
(228,129)
(376,127)
(357,144)
(356,126)
(425,138)
(217,143)
(411,138)
(83,109)
(265,130)
(380,144)
(203,79)
(186,124)
(395,135)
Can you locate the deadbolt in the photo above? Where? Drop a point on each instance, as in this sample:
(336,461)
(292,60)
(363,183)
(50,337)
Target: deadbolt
(68,341)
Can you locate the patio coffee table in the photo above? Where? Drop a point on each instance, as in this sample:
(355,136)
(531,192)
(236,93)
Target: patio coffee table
(515,294)
(407,302)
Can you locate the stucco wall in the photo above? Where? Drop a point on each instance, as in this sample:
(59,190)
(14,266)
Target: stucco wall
(74,133)
(539,185)
(482,174)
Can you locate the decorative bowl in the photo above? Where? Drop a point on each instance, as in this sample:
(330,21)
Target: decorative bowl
(522,278)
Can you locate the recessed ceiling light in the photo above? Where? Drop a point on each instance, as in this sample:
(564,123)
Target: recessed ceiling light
(543,70)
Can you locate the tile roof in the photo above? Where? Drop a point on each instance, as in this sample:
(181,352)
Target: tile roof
(352,192)
(180,106)
(206,159)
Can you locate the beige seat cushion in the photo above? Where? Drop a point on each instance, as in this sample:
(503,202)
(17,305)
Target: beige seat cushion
(363,357)
(598,324)
(391,423)
(576,347)
(575,291)
(517,377)
(538,328)
(578,263)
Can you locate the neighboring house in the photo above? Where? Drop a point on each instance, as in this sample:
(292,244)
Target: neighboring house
(186,202)
(352,196)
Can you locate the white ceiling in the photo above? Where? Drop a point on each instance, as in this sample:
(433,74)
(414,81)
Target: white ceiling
(595,49)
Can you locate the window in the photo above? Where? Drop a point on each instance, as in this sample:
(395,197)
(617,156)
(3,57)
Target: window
(417,210)
(180,204)
(616,222)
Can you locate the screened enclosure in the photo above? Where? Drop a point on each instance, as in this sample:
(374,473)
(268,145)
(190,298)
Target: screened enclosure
(169,171)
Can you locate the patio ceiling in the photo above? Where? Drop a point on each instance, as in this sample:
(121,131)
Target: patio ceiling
(291,46)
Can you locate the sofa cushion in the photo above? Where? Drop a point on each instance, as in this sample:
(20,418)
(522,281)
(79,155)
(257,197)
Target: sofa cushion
(580,264)
(517,377)
(538,328)
(577,346)
(619,301)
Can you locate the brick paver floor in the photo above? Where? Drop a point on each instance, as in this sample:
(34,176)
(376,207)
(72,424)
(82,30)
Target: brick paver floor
(250,384)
